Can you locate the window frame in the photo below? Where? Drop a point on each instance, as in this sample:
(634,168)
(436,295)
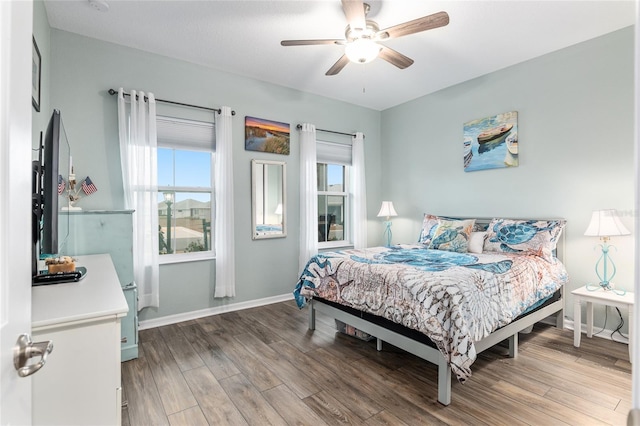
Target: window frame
(346,193)
(199,255)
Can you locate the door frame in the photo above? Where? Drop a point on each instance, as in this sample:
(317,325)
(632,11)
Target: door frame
(16,46)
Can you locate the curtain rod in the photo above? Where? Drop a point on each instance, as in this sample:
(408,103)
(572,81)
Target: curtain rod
(115,92)
(299,126)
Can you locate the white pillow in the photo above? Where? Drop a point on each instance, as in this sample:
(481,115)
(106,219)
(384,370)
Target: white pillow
(476,242)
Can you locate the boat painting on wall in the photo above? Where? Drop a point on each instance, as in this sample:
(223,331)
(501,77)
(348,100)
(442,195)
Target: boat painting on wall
(266,136)
(491,142)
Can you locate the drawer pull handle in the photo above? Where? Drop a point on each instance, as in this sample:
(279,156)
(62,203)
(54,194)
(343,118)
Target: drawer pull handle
(123,340)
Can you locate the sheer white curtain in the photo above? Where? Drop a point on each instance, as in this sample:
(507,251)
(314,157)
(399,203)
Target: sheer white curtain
(224,224)
(358,192)
(308,195)
(635,336)
(138,157)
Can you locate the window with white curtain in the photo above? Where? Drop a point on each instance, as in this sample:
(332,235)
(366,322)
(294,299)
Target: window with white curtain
(186,150)
(334,203)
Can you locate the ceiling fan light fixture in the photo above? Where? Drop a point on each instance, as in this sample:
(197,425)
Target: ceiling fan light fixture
(361,37)
(362,50)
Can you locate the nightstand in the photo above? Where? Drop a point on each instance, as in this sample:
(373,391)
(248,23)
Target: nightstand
(602,297)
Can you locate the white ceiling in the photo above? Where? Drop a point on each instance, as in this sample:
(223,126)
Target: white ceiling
(243,37)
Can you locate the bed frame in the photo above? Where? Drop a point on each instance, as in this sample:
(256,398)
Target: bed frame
(433,355)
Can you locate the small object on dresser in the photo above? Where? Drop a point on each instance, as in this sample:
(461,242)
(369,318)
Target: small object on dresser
(45,278)
(61,264)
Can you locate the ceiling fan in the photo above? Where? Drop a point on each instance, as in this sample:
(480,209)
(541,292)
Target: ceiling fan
(362,37)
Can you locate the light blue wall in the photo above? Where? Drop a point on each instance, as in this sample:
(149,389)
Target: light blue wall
(83,69)
(575,131)
(576,148)
(42,35)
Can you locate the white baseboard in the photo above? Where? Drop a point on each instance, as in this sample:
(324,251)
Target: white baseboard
(188,316)
(604,334)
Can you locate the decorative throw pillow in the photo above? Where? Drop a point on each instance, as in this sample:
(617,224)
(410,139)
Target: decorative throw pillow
(538,237)
(476,241)
(452,235)
(480,226)
(429,225)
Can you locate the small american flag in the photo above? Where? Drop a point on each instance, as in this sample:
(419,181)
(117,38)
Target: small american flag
(61,185)
(88,187)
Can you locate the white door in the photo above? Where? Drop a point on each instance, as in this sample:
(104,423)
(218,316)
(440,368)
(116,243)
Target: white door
(16,25)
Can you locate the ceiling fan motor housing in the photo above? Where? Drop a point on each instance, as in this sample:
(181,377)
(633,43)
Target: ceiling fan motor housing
(372,32)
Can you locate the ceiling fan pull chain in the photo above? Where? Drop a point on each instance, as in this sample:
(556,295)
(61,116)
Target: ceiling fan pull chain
(364,67)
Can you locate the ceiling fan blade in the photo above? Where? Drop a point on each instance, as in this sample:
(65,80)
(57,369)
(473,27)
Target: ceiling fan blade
(310,42)
(436,20)
(337,67)
(395,58)
(354,11)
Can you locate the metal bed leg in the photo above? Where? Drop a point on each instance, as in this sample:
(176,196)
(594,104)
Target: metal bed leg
(560,320)
(312,316)
(378,344)
(513,346)
(444,382)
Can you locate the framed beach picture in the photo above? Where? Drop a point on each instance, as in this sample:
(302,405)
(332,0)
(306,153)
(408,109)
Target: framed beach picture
(491,142)
(36,64)
(266,136)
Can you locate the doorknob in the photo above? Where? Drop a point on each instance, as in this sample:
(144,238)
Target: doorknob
(26,349)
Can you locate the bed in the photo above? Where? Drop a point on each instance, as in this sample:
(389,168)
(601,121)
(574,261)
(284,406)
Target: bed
(467,285)
(268,229)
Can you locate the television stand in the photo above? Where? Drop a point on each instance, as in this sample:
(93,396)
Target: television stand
(80,383)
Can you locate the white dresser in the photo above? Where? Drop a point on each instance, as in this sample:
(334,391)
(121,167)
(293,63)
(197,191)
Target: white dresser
(80,383)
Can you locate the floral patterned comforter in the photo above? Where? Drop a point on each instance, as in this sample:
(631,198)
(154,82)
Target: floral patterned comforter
(453,298)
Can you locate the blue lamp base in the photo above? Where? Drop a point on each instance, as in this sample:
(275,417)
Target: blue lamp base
(387,232)
(605,279)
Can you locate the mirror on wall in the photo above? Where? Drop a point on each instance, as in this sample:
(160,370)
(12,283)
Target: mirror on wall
(268,201)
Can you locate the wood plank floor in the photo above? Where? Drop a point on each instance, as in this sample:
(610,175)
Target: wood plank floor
(262,366)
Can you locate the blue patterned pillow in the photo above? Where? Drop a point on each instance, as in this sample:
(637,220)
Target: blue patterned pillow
(452,235)
(429,225)
(538,237)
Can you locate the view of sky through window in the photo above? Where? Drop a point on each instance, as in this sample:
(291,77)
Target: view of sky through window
(184,168)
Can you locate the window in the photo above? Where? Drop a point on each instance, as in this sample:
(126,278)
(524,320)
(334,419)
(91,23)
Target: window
(185,189)
(333,161)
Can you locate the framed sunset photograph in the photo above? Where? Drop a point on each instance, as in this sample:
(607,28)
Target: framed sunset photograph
(266,136)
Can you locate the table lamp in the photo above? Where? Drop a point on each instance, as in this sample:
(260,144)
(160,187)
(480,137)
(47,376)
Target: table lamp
(605,224)
(387,210)
(278,213)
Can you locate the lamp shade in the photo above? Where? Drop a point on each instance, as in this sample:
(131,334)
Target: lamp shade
(362,50)
(387,210)
(605,223)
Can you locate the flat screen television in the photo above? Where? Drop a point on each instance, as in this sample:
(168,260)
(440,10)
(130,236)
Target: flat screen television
(49,241)
(51,165)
